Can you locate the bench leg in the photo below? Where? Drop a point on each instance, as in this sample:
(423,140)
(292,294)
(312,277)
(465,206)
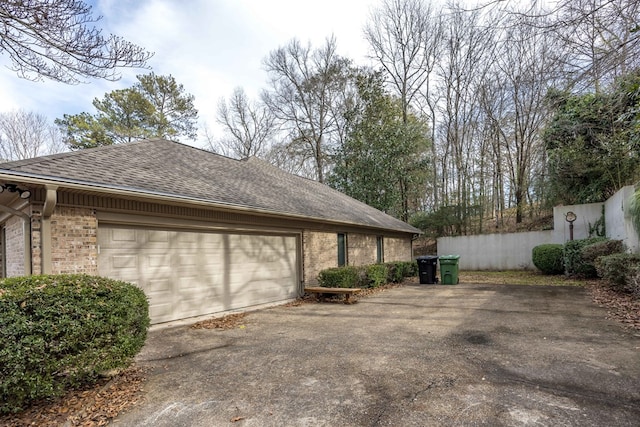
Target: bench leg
(346,298)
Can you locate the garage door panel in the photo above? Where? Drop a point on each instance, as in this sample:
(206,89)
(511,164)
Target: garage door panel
(191,273)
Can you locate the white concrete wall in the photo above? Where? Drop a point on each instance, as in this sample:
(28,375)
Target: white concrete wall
(513,251)
(495,251)
(585,215)
(618,221)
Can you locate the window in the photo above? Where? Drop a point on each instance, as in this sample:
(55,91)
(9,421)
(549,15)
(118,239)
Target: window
(380,249)
(342,249)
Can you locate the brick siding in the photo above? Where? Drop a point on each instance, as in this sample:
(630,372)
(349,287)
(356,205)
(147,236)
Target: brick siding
(397,249)
(362,249)
(74,241)
(320,252)
(14,238)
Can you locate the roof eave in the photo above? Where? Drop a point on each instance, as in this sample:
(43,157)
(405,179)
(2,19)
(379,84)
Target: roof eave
(29,178)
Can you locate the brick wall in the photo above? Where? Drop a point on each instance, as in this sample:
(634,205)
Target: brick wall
(14,238)
(320,252)
(397,249)
(74,241)
(362,249)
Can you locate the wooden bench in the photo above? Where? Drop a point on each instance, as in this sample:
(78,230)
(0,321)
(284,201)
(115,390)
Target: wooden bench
(320,291)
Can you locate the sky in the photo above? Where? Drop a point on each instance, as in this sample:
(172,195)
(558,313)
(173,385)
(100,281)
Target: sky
(208,46)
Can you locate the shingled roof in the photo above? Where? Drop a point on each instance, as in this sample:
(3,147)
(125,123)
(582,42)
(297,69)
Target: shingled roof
(166,168)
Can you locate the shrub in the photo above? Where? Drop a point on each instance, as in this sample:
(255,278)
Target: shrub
(62,331)
(398,270)
(548,258)
(410,268)
(376,275)
(621,271)
(574,264)
(340,277)
(591,253)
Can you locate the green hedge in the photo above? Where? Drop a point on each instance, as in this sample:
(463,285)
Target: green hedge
(367,276)
(621,271)
(574,263)
(340,277)
(548,258)
(58,332)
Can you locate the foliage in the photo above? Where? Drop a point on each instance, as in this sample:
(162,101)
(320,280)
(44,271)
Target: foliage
(383,161)
(621,270)
(590,142)
(61,331)
(366,276)
(548,258)
(634,210)
(599,228)
(591,253)
(340,277)
(574,263)
(376,275)
(445,221)
(155,107)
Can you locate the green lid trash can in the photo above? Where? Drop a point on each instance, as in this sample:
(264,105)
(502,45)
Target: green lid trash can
(449,269)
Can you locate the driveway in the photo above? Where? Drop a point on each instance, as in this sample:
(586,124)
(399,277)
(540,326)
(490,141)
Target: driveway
(418,355)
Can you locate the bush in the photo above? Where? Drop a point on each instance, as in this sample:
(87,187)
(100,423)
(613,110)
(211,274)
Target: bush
(591,253)
(367,276)
(574,264)
(410,268)
(376,275)
(398,270)
(62,331)
(548,258)
(395,272)
(621,271)
(340,277)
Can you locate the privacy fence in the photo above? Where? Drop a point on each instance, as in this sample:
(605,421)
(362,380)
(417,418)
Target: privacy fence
(512,251)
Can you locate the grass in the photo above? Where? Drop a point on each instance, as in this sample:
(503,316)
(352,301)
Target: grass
(519,277)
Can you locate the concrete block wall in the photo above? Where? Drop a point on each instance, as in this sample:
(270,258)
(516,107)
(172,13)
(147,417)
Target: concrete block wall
(510,251)
(513,251)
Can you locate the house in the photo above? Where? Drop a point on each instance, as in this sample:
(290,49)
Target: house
(199,232)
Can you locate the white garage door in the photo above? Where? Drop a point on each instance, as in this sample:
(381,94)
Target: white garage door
(192,273)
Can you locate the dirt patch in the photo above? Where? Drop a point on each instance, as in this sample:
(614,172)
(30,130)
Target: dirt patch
(93,406)
(231,321)
(621,307)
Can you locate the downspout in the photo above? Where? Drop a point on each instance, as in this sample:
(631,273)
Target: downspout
(51,198)
(26,226)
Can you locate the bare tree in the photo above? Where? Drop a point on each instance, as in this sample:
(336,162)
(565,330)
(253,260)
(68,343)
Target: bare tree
(403,36)
(57,39)
(249,125)
(305,84)
(24,135)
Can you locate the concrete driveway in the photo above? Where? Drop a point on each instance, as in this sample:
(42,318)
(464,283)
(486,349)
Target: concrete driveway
(419,355)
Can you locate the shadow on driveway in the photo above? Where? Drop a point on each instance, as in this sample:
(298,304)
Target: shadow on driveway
(417,355)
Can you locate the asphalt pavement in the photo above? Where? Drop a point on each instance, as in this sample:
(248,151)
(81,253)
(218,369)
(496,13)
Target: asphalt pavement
(417,355)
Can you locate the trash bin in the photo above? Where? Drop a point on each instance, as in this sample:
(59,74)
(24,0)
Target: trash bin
(427,266)
(449,269)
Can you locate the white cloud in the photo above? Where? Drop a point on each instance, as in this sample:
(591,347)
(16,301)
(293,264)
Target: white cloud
(210,47)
